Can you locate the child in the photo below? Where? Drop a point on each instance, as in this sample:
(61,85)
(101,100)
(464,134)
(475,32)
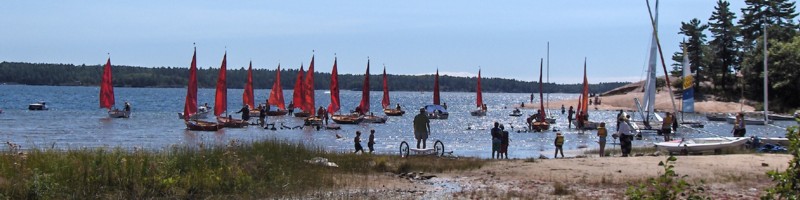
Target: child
(602,133)
(559,145)
(357,142)
(503,142)
(371,141)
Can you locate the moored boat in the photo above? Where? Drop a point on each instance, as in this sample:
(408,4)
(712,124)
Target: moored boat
(385,102)
(275,103)
(347,119)
(231,123)
(41,105)
(481,111)
(717,116)
(393,112)
(693,145)
(107,94)
(190,105)
(198,125)
(748,121)
(436,111)
(541,124)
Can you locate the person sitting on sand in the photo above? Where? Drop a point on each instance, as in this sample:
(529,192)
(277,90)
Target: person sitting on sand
(357,141)
(601,134)
(559,143)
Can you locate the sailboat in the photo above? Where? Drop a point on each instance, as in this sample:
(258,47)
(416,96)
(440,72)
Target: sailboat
(385,101)
(335,102)
(297,95)
(248,97)
(687,105)
(541,124)
(308,97)
(107,94)
(436,111)
(582,118)
(221,99)
(479,99)
(190,105)
(276,97)
(363,107)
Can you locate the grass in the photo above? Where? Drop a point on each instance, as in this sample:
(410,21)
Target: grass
(241,170)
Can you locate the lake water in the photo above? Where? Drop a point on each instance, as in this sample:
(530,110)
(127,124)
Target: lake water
(76,121)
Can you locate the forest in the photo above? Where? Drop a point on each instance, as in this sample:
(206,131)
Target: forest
(132,76)
(730,64)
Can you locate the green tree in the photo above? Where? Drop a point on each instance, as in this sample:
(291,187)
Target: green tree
(694,31)
(725,47)
(788,181)
(778,14)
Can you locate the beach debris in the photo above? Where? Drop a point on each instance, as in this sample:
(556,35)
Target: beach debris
(764,165)
(543,157)
(415,176)
(322,162)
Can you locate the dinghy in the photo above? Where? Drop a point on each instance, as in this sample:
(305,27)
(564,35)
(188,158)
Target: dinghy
(385,101)
(695,145)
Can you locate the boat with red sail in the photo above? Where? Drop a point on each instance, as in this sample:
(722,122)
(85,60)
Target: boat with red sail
(364,107)
(436,111)
(582,117)
(221,100)
(386,103)
(540,124)
(190,105)
(481,111)
(107,94)
(275,104)
(335,105)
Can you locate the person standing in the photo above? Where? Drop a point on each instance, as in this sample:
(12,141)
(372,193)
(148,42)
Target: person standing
(559,143)
(602,133)
(357,141)
(503,142)
(562,109)
(739,126)
(625,138)
(127,107)
(496,132)
(262,115)
(569,117)
(666,124)
(531,97)
(290,108)
(422,127)
(371,141)
(245,113)
(620,118)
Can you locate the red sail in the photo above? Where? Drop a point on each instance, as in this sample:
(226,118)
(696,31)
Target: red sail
(480,94)
(543,114)
(299,89)
(436,88)
(585,94)
(335,105)
(308,96)
(276,94)
(107,87)
(363,107)
(248,97)
(221,100)
(190,106)
(385,102)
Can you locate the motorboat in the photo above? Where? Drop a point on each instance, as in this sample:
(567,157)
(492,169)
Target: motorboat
(693,145)
(515,113)
(38,106)
(202,113)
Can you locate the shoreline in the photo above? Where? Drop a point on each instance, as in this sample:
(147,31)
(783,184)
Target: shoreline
(626,102)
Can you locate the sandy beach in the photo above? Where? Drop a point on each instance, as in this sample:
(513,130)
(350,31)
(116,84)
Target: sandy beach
(735,176)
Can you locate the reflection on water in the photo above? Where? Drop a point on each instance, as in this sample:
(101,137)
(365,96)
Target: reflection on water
(76,121)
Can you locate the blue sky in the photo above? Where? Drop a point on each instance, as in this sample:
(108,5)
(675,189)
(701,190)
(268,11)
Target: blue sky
(505,38)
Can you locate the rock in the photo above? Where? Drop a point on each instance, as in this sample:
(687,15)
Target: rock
(543,157)
(764,165)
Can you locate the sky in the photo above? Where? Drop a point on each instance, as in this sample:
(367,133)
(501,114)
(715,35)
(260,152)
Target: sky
(505,39)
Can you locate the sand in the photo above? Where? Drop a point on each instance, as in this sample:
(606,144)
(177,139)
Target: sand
(735,176)
(626,102)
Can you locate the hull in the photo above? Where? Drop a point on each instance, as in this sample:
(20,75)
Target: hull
(780,117)
(197,125)
(702,144)
(393,112)
(276,113)
(748,121)
(196,116)
(119,114)
(478,113)
(438,115)
(717,116)
(587,125)
(302,114)
(37,106)
(312,121)
(373,119)
(232,123)
(550,120)
(515,113)
(540,126)
(346,119)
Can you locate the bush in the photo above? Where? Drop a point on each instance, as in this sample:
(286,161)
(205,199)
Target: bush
(666,186)
(788,181)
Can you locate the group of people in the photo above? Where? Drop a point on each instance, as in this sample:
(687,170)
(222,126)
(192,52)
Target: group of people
(500,141)
(370,142)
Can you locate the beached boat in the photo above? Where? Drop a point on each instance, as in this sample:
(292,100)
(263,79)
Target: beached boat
(478,99)
(747,120)
(275,103)
(385,102)
(541,124)
(107,94)
(41,105)
(190,105)
(436,111)
(693,145)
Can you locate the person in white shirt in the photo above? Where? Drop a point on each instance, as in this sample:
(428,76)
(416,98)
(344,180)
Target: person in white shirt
(626,136)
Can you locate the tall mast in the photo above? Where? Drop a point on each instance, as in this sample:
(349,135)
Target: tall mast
(548,73)
(766,75)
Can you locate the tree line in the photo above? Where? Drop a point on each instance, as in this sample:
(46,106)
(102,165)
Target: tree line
(132,76)
(730,65)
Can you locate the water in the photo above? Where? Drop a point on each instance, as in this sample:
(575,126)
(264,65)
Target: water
(76,121)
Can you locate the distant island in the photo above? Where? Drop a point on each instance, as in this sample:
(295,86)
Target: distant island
(176,77)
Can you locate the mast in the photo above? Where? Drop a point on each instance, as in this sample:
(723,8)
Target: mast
(479,93)
(766,76)
(548,74)
(436,88)
(661,54)
(542,114)
(364,105)
(308,97)
(335,105)
(385,101)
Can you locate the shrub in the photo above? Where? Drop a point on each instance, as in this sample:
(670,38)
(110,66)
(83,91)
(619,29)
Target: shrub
(788,181)
(666,186)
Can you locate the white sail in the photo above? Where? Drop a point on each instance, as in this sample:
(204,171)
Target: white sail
(649,99)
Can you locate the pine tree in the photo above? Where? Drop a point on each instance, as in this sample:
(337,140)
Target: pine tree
(777,14)
(694,31)
(725,47)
